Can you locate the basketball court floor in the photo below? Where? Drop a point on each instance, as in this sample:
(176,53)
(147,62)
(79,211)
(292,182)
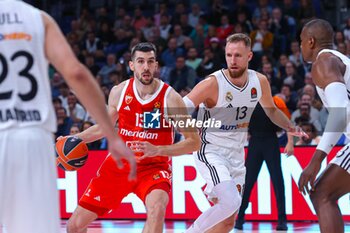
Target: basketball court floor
(107,226)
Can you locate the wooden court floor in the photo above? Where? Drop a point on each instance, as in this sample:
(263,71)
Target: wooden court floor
(104,226)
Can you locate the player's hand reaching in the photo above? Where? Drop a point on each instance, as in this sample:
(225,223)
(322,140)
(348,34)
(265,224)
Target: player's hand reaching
(297,132)
(119,151)
(148,149)
(308,176)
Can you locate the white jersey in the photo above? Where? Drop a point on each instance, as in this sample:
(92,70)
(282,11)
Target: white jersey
(25,93)
(233,109)
(346,77)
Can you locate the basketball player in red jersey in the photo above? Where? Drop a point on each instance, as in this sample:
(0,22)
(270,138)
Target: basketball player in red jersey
(140,103)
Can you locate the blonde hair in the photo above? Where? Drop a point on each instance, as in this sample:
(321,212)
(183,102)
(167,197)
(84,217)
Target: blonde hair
(238,37)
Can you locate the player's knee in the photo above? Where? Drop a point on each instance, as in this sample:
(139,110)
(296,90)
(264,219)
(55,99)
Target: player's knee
(319,199)
(229,200)
(156,211)
(229,223)
(73,226)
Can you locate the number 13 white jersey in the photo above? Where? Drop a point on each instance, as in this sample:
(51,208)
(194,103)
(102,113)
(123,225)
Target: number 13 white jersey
(234,108)
(25,93)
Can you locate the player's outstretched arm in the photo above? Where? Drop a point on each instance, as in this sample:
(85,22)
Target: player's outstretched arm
(85,87)
(178,112)
(275,114)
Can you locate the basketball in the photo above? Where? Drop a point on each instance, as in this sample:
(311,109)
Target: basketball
(71,153)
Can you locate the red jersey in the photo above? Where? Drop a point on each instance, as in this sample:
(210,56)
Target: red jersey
(143,120)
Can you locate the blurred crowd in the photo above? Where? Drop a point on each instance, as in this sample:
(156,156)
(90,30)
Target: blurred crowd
(190,38)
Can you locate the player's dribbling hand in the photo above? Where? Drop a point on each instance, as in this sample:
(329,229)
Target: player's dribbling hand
(297,132)
(119,151)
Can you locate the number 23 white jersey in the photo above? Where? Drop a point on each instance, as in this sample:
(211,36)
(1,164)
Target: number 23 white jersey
(25,93)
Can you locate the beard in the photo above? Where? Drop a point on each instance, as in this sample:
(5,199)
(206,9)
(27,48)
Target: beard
(237,73)
(144,81)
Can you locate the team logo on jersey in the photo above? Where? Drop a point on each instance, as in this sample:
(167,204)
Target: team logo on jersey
(128,99)
(157,105)
(156,177)
(151,119)
(16,36)
(229,96)
(253,93)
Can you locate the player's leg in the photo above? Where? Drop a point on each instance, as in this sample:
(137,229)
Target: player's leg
(105,192)
(31,200)
(156,203)
(80,220)
(272,156)
(212,219)
(330,186)
(253,165)
(220,185)
(153,188)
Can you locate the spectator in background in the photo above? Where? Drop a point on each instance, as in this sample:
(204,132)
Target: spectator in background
(218,51)
(92,45)
(138,21)
(118,22)
(165,26)
(90,64)
(314,113)
(209,64)
(193,16)
(346,30)
(105,34)
(74,129)
(156,39)
(108,68)
(225,28)
(305,109)
(193,60)
(182,77)
(178,35)
(147,29)
(184,23)
(271,75)
(169,55)
(291,77)
(64,92)
(63,122)
(75,111)
(262,41)
(278,25)
(57,103)
(290,97)
(198,36)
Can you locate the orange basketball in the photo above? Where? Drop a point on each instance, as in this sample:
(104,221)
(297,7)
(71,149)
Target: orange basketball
(71,153)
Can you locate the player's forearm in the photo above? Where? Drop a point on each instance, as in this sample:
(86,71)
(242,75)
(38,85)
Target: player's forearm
(186,146)
(91,134)
(279,118)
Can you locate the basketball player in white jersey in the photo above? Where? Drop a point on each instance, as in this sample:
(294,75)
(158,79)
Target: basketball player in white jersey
(229,95)
(330,73)
(29,40)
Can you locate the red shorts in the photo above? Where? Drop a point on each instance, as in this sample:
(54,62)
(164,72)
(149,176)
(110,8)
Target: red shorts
(106,191)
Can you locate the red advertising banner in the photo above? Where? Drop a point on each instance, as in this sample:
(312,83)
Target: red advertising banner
(187,199)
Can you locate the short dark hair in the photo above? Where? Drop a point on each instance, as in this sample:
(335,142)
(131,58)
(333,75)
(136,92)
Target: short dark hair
(143,47)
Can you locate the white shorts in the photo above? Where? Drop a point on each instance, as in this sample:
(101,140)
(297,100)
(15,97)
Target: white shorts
(342,159)
(217,164)
(28,181)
